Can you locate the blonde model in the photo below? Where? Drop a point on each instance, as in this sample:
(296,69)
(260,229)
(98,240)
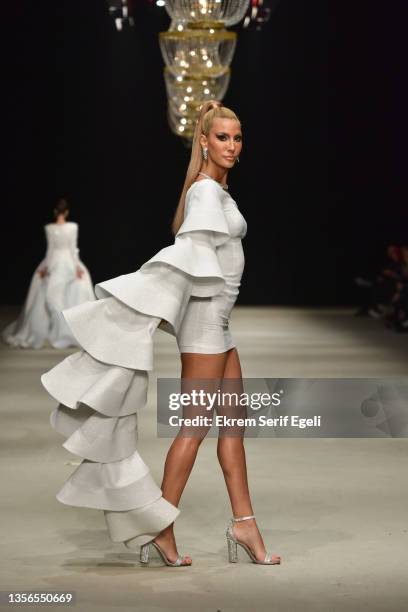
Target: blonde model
(188,290)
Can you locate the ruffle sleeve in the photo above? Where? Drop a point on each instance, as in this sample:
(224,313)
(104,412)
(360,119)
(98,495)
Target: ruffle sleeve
(204,211)
(101,388)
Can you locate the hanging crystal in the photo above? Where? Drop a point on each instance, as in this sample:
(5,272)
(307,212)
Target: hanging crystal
(187,93)
(198,52)
(182,125)
(227,11)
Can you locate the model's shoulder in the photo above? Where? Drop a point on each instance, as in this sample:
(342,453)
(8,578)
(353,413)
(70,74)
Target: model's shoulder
(206,191)
(207,184)
(71,226)
(66,225)
(49,227)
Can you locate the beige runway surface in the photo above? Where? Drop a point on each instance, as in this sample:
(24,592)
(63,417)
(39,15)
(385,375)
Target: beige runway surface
(336,510)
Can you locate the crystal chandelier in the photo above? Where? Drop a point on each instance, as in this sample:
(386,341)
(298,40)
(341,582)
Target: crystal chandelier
(187,93)
(181,125)
(204,12)
(122,12)
(197,51)
(259,13)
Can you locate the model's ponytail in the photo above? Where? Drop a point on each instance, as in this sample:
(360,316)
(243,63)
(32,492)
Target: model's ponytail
(209,110)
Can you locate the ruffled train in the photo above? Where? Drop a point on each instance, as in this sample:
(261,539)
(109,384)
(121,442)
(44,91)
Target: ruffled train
(101,388)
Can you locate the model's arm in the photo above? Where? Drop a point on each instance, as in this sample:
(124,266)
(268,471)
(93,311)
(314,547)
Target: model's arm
(204,218)
(204,228)
(42,269)
(75,251)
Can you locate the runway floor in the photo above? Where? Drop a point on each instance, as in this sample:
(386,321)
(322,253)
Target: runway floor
(334,509)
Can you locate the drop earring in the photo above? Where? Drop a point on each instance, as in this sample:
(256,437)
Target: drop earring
(205,153)
(237,159)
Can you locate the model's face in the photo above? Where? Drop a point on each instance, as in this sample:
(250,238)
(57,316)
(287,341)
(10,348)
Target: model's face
(224,142)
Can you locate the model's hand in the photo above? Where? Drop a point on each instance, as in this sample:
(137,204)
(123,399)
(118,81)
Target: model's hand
(79,272)
(42,272)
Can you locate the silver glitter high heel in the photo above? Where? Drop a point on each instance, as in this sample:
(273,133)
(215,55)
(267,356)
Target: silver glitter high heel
(232,543)
(144,555)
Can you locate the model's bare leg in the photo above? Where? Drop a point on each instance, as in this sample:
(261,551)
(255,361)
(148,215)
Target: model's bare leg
(231,455)
(183,451)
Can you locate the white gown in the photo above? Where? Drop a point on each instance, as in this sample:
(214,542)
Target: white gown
(101,388)
(40,319)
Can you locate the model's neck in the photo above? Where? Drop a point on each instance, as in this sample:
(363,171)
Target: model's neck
(216,172)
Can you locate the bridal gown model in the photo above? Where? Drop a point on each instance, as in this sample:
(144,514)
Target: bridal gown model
(191,285)
(54,286)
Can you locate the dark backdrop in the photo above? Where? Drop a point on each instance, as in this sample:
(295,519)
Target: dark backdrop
(320,174)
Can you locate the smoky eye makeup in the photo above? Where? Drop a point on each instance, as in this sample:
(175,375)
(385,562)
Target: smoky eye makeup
(223,136)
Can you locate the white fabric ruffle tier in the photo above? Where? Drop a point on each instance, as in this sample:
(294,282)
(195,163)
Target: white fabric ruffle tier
(101,388)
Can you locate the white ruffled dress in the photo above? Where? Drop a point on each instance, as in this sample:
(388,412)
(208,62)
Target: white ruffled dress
(101,388)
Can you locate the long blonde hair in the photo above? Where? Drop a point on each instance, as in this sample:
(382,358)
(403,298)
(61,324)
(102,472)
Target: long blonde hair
(209,111)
